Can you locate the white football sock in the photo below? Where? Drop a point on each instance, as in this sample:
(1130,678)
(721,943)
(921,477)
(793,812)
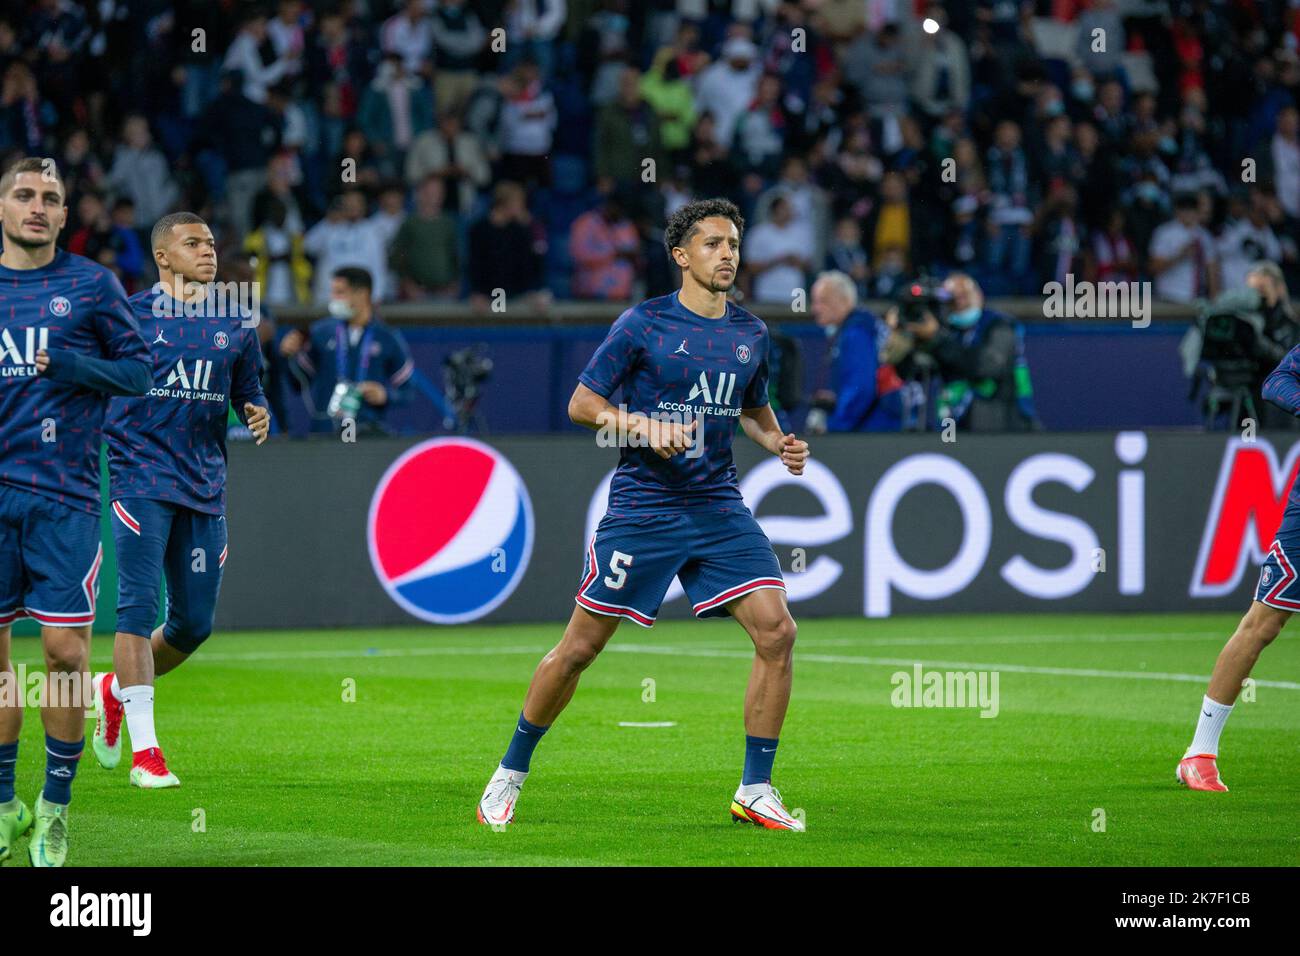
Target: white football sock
(1213,716)
(116,688)
(138,703)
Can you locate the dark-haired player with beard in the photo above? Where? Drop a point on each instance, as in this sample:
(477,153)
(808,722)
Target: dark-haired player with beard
(68,340)
(691,365)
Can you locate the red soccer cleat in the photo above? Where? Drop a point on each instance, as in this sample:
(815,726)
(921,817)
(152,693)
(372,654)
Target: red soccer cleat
(1200,773)
(107,739)
(149,771)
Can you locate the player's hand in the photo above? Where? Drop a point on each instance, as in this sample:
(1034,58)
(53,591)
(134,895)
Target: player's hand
(258,420)
(291,344)
(42,362)
(373,393)
(671,438)
(794,453)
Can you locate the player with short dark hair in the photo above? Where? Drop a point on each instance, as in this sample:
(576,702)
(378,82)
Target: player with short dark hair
(68,340)
(167,479)
(691,365)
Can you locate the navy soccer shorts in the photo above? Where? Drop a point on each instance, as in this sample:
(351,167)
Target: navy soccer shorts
(1279,577)
(49,560)
(159,539)
(631,561)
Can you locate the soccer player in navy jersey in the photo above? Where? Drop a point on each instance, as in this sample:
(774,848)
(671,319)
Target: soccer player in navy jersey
(67,341)
(691,365)
(167,481)
(1277,597)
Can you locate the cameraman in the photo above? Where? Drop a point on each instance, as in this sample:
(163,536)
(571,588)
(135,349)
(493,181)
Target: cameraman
(978,354)
(1281,334)
(866,395)
(353,366)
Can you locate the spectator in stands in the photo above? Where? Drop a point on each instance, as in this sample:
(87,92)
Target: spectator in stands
(1281,334)
(141,173)
(1059,235)
(104,241)
(282,186)
(454,155)
(506,251)
(408,35)
(845,254)
(243,135)
(1183,257)
(776,256)
(285,30)
(528,121)
(358,157)
(254,58)
(670,96)
(352,347)
(278,256)
(606,251)
(79,166)
(396,107)
(1112,256)
(876,65)
(387,219)
(859,393)
(424,251)
(532,27)
(759,140)
(892,227)
(1284,152)
(627,134)
(345,237)
(458,38)
(726,88)
(941,78)
(1247,237)
(1102,59)
(26,118)
(1011,212)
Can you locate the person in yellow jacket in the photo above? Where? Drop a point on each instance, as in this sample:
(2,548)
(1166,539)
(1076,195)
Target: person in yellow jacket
(280,264)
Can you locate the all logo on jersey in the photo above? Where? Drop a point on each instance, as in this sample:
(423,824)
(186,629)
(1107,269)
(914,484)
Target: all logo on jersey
(724,383)
(450,530)
(742,353)
(18,348)
(60,306)
(191,381)
(221,340)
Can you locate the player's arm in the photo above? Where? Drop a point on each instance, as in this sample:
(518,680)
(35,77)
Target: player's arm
(761,426)
(128,369)
(592,410)
(246,395)
(1282,387)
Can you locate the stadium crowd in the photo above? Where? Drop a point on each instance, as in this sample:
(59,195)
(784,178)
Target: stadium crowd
(536,146)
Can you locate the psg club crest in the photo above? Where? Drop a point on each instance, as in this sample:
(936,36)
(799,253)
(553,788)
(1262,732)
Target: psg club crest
(221,340)
(450,530)
(60,306)
(742,354)
(1267,576)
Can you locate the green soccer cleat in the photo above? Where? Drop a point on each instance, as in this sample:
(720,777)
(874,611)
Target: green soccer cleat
(107,739)
(149,771)
(49,845)
(15,819)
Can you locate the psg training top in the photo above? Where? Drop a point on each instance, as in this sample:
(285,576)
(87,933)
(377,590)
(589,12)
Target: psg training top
(170,444)
(677,365)
(50,424)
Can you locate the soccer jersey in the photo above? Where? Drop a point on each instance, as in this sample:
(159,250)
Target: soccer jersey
(170,444)
(50,424)
(672,361)
(337,352)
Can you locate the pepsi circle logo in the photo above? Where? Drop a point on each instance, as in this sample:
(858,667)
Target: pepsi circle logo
(742,354)
(221,340)
(59,305)
(450,530)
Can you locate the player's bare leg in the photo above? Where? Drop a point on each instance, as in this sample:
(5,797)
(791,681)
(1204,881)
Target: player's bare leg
(63,712)
(765,616)
(1258,629)
(15,818)
(137,663)
(549,692)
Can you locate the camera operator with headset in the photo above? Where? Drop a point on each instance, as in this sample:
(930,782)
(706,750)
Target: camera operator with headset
(1280,335)
(977,354)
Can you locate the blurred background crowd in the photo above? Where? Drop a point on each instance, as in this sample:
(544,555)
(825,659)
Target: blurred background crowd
(536,146)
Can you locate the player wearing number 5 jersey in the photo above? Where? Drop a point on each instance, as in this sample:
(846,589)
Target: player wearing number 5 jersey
(691,366)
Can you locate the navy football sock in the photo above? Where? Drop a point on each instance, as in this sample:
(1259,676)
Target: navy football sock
(61,760)
(522,745)
(8,763)
(759,754)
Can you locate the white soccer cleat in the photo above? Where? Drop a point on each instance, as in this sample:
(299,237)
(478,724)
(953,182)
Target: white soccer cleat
(760,804)
(497,806)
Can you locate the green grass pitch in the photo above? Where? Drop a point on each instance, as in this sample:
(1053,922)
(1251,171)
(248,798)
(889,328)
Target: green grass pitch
(1094,713)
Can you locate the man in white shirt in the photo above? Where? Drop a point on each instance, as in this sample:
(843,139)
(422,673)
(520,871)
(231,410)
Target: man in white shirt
(1285,151)
(346,238)
(1183,258)
(409,34)
(1248,239)
(727,87)
(244,55)
(776,255)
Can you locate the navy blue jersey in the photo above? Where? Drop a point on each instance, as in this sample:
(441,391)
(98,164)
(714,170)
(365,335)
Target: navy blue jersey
(672,361)
(51,424)
(334,352)
(170,444)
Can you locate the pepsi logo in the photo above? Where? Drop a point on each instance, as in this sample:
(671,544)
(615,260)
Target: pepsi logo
(742,354)
(450,530)
(60,306)
(221,340)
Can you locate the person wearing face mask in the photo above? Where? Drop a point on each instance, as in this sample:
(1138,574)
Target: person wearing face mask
(978,354)
(349,366)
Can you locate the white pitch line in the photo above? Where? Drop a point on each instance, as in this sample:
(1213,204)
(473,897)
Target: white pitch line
(1220,636)
(647,723)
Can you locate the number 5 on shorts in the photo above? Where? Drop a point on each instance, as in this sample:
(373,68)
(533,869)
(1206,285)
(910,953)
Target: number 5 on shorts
(616,562)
